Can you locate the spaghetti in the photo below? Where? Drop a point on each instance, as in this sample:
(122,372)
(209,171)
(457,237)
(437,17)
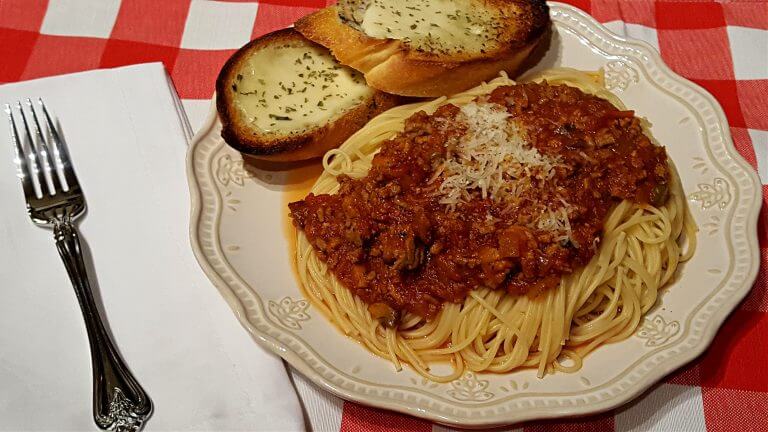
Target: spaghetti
(494,330)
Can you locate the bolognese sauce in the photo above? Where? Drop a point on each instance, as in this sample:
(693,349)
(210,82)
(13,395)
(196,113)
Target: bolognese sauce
(509,191)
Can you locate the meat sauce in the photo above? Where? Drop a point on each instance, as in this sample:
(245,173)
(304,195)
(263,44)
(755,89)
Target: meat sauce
(389,239)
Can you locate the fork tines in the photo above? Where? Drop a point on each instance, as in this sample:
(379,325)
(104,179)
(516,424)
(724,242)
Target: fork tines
(41,160)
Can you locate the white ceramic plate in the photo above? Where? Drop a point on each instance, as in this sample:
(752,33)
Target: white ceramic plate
(239,238)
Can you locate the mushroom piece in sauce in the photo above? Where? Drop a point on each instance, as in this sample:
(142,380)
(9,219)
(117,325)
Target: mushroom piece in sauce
(384,313)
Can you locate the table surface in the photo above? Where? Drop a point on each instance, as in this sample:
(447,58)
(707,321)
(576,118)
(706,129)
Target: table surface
(722,46)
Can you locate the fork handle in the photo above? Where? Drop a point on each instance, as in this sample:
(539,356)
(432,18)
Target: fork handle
(119,402)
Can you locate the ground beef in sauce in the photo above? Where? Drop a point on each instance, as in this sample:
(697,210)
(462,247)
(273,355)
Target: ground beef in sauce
(387,237)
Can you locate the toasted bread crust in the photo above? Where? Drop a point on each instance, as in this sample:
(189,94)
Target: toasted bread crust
(294,147)
(390,65)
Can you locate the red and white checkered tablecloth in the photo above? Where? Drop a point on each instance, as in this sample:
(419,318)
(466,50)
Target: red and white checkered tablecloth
(722,46)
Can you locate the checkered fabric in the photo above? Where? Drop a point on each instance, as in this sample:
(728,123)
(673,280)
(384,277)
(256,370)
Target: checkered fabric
(722,46)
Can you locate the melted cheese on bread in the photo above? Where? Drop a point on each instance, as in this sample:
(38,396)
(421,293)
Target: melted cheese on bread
(291,88)
(439,26)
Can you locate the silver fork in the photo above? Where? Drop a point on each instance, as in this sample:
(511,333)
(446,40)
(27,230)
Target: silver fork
(119,402)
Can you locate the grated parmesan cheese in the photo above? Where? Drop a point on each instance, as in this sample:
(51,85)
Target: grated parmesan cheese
(494,160)
(555,221)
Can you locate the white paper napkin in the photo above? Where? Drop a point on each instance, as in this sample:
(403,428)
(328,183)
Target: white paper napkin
(127,137)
